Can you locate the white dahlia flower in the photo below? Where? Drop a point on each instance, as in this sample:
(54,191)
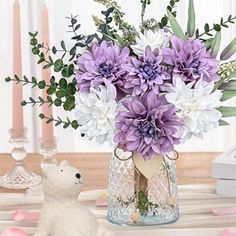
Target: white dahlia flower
(158,39)
(96,112)
(196,105)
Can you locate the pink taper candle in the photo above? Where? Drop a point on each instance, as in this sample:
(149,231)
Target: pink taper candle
(17,118)
(47,129)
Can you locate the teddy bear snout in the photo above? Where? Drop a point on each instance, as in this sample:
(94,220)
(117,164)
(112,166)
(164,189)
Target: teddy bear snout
(78,175)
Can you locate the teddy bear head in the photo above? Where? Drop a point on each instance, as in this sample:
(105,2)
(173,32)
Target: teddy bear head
(62,181)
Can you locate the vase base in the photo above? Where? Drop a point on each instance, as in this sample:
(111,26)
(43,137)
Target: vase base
(19,178)
(146,221)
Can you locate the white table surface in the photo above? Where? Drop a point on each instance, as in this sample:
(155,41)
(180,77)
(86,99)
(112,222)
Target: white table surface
(195,218)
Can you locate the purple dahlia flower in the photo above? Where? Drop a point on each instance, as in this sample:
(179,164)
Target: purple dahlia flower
(191,60)
(103,65)
(147,73)
(149,126)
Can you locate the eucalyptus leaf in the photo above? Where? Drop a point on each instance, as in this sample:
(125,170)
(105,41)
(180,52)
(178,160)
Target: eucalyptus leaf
(191,19)
(227,111)
(215,47)
(175,26)
(229,50)
(58,65)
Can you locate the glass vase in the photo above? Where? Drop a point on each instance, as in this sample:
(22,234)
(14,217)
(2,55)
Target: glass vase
(136,200)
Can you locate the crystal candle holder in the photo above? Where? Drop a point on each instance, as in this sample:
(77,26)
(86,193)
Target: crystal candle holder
(47,151)
(19,177)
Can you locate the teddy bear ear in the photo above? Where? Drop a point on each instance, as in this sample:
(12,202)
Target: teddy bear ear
(64,163)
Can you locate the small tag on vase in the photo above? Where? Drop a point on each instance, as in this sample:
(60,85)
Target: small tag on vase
(149,167)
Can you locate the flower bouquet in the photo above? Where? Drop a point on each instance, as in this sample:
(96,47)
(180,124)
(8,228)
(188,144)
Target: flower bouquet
(143,90)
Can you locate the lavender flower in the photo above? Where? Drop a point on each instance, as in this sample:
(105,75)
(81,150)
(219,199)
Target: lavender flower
(103,66)
(191,60)
(146,73)
(149,126)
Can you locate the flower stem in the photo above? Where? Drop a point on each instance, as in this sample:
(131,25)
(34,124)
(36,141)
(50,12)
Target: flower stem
(144,6)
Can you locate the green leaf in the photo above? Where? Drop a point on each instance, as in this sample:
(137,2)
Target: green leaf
(58,65)
(33,41)
(191,18)
(206,28)
(164,21)
(69,104)
(217,27)
(68,71)
(23,103)
(228,86)
(63,83)
(215,47)
(227,111)
(51,90)
(208,43)
(57,102)
(71,89)
(35,51)
(42,84)
(8,79)
(232,75)
(229,50)
(33,35)
(175,26)
(60,94)
(228,95)
(66,125)
(42,116)
(41,60)
(47,66)
(223,123)
(74,124)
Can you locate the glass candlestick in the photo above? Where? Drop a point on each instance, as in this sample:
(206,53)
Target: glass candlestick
(48,148)
(47,151)
(19,177)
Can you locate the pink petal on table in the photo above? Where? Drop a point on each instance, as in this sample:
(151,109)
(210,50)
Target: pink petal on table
(25,216)
(102,200)
(223,211)
(14,232)
(228,233)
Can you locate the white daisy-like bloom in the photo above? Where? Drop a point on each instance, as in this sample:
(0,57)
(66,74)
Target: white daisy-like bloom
(196,105)
(158,39)
(96,112)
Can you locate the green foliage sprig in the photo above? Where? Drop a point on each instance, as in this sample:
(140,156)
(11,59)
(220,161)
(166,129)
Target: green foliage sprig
(74,124)
(58,65)
(171,8)
(40,101)
(121,32)
(64,91)
(208,31)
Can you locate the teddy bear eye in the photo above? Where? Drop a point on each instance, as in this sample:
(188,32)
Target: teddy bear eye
(61,170)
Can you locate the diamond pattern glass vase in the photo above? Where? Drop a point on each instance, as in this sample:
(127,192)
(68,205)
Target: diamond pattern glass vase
(136,200)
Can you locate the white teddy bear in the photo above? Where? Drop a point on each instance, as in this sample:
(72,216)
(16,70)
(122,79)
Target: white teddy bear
(62,215)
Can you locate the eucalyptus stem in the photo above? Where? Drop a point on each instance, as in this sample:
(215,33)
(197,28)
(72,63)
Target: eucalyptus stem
(58,121)
(41,101)
(218,26)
